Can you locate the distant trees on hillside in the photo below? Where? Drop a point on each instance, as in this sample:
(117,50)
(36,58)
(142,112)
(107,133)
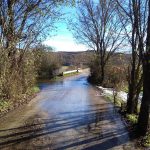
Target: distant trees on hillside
(78,59)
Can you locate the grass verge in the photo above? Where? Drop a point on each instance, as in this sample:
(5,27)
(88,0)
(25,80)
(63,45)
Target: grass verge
(131,120)
(35,89)
(118,101)
(10,104)
(57,78)
(146,140)
(4,105)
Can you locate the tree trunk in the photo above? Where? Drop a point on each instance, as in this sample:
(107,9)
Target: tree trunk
(143,120)
(145,104)
(132,101)
(133,97)
(134,80)
(132,94)
(102,74)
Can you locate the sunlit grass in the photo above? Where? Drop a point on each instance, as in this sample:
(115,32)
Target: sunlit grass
(4,105)
(146,140)
(132,118)
(35,89)
(118,101)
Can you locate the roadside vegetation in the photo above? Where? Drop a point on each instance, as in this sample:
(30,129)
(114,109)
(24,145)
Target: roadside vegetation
(60,77)
(24,25)
(48,62)
(21,31)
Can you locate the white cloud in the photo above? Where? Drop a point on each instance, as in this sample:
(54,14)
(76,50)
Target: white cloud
(65,43)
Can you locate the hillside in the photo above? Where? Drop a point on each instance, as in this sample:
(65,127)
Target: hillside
(83,58)
(75,58)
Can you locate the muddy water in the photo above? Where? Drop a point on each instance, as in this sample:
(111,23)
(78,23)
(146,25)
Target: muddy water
(68,114)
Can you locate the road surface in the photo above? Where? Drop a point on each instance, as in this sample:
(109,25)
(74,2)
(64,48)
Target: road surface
(65,115)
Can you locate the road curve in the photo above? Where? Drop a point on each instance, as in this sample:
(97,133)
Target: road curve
(68,114)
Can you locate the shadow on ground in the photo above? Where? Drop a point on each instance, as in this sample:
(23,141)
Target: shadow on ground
(92,129)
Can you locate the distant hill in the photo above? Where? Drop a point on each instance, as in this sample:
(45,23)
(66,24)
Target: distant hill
(83,58)
(75,58)
(120,59)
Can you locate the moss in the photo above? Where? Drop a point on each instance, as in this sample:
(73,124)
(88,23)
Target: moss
(4,105)
(132,118)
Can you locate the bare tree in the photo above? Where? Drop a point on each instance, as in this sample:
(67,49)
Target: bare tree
(139,15)
(134,13)
(98,27)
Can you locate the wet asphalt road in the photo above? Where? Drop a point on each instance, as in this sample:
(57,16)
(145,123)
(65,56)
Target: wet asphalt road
(68,114)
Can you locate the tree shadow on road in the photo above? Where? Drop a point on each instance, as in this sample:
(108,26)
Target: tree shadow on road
(98,128)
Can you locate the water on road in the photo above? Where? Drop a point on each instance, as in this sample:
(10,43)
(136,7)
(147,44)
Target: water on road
(68,114)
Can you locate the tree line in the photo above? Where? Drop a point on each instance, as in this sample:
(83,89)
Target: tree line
(108,26)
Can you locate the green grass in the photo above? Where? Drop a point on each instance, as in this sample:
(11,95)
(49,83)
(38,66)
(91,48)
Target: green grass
(35,89)
(57,78)
(132,118)
(111,99)
(146,140)
(125,89)
(4,105)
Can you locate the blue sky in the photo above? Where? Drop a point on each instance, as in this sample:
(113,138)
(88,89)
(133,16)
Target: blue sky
(63,39)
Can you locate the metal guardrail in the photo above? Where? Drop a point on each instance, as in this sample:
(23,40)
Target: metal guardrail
(71,71)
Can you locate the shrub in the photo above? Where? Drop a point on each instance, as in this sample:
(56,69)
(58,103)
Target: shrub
(94,71)
(47,62)
(17,77)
